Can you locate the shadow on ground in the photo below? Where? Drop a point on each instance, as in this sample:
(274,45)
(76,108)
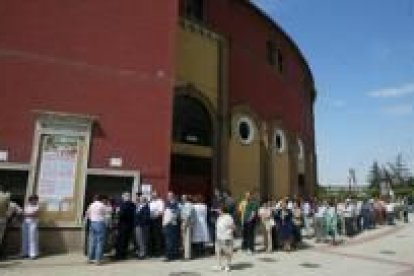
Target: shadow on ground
(184,273)
(241,266)
(310,265)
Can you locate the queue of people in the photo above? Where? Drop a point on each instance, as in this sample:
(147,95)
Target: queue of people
(188,226)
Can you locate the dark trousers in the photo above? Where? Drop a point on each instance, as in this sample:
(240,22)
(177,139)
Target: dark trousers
(123,239)
(366,222)
(275,238)
(212,229)
(156,239)
(171,233)
(297,235)
(349,226)
(390,218)
(359,224)
(249,235)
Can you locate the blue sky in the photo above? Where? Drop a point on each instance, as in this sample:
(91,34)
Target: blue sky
(361,53)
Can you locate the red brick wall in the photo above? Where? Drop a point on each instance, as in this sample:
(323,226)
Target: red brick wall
(270,94)
(112,59)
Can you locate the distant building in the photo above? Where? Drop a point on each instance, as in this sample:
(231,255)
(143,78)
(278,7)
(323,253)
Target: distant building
(189,95)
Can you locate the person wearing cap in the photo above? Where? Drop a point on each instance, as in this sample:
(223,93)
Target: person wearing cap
(125,226)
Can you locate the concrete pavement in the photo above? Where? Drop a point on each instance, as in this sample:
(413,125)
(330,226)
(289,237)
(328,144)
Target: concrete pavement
(385,251)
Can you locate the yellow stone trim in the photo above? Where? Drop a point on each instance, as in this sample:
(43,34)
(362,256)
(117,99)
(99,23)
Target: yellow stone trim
(192,150)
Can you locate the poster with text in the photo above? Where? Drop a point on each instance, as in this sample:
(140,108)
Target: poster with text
(57,172)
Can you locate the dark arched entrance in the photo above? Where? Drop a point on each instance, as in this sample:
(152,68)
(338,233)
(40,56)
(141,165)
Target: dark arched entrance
(192,150)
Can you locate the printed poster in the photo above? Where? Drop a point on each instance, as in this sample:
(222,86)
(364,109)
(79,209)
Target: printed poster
(57,174)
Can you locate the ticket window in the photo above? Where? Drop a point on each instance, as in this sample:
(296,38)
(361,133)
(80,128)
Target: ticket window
(15,182)
(110,186)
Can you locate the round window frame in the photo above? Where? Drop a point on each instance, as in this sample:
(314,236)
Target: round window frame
(252,131)
(283,143)
(301,150)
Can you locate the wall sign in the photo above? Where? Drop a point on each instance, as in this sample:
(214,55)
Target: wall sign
(57,172)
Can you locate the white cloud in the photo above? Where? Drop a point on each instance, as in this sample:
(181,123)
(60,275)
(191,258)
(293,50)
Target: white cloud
(393,92)
(399,109)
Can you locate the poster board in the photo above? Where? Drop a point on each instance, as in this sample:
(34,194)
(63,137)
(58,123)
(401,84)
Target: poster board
(57,176)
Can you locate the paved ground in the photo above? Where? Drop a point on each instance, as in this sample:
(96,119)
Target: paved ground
(385,251)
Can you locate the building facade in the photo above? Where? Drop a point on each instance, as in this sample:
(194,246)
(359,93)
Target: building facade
(189,95)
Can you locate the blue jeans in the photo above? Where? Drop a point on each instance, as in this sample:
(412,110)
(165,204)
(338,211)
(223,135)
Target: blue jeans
(97,232)
(30,239)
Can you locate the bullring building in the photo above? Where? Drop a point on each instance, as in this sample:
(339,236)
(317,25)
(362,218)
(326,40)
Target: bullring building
(181,95)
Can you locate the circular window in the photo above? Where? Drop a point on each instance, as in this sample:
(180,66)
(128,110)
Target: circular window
(301,150)
(245,130)
(279,140)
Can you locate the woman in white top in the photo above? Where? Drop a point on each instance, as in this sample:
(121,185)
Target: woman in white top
(224,238)
(30,232)
(200,235)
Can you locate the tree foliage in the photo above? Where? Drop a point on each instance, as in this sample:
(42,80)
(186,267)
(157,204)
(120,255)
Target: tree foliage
(395,173)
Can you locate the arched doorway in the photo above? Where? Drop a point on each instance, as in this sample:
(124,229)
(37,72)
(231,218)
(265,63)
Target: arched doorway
(192,150)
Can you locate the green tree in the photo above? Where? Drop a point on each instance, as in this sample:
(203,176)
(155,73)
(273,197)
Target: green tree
(375,175)
(400,174)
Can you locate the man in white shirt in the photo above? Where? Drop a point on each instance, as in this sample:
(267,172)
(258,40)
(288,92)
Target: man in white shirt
(187,213)
(224,238)
(171,227)
(340,209)
(389,210)
(97,228)
(358,216)
(349,214)
(307,218)
(320,232)
(30,232)
(156,239)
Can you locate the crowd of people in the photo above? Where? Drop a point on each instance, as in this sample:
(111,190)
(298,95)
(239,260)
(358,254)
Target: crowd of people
(189,226)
